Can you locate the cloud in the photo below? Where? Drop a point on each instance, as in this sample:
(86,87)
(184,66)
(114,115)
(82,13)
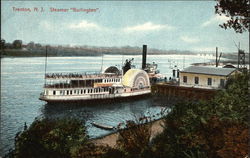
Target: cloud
(204,49)
(217,19)
(84,25)
(146,27)
(188,39)
(46,25)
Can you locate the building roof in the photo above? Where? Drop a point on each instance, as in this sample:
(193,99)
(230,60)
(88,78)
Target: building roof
(209,70)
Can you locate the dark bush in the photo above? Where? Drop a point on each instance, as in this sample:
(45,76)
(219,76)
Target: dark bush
(50,138)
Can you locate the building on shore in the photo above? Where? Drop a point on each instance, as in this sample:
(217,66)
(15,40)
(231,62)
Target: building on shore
(205,77)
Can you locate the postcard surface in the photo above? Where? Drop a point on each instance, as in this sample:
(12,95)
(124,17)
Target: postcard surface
(86,52)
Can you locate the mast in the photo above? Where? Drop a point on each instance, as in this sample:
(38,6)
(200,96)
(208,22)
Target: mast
(216,59)
(45,68)
(102,62)
(183,66)
(122,63)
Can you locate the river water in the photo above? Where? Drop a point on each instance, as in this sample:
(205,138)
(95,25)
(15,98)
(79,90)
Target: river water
(22,81)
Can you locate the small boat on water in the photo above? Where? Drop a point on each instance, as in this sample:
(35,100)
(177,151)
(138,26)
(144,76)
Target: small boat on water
(103,126)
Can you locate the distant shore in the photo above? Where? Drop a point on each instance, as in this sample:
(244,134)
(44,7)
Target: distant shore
(25,53)
(232,58)
(86,51)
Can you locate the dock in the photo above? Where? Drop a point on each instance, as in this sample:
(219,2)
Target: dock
(172,90)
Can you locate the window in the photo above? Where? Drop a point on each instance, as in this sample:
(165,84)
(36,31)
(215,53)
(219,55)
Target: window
(140,86)
(196,80)
(84,91)
(222,83)
(54,92)
(67,92)
(71,92)
(185,79)
(209,81)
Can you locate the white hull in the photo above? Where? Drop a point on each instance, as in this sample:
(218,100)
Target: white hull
(88,97)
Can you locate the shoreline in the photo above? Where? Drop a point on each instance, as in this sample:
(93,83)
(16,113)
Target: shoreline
(96,55)
(111,139)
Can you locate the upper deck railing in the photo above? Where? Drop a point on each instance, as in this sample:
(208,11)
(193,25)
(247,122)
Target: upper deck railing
(80,75)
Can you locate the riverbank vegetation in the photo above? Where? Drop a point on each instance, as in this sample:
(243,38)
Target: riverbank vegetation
(32,49)
(217,128)
(210,129)
(61,51)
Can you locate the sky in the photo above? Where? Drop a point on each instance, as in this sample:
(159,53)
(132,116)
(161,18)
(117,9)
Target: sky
(166,25)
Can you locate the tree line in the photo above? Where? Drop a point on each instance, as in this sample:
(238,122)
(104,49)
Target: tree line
(17,48)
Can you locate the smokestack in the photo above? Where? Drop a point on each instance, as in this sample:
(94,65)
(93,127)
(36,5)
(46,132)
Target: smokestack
(216,60)
(144,56)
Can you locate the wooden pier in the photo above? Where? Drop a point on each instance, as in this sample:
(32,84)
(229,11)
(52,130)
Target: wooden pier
(171,91)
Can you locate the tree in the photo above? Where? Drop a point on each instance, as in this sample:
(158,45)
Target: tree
(31,45)
(17,44)
(238,11)
(135,139)
(51,138)
(2,44)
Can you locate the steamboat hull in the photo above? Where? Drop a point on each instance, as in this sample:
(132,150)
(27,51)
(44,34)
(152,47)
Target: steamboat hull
(85,101)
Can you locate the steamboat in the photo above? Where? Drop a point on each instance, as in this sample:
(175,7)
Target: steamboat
(111,84)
